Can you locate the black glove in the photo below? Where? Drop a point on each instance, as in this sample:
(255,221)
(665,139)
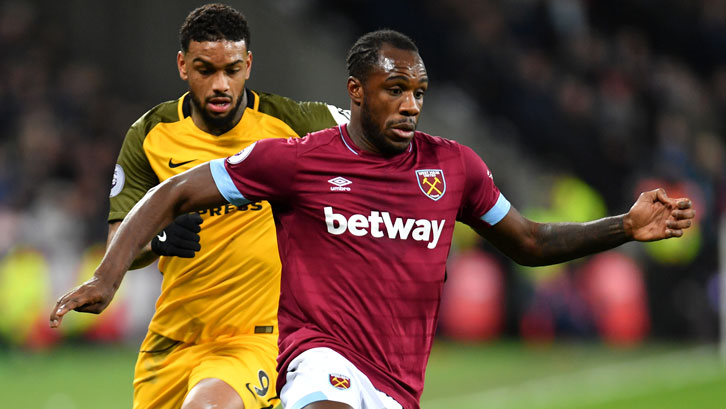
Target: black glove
(180,238)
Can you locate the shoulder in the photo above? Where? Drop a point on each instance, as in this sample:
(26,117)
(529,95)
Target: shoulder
(438,143)
(286,108)
(322,137)
(319,141)
(302,117)
(449,151)
(165,112)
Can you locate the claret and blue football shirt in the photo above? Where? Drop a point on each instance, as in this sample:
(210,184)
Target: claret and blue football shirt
(363,241)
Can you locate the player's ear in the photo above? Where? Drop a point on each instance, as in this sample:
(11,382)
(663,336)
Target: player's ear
(182,66)
(355,90)
(249,65)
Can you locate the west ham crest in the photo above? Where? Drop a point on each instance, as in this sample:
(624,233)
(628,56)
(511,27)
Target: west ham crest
(339,381)
(432,183)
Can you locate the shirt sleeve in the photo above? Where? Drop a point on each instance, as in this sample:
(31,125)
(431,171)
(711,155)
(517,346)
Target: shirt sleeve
(482,201)
(302,117)
(133,175)
(262,171)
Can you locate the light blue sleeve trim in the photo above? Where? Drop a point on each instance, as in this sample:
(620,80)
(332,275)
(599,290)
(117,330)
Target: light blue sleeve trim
(498,211)
(224,183)
(308,399)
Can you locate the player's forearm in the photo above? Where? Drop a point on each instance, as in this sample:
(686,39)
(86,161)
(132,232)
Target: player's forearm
(145,257)
(190,191)
(559,242)
(148,216)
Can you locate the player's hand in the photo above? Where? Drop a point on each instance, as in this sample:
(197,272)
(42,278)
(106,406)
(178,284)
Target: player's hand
(180,238)
(655,216)
(93,296)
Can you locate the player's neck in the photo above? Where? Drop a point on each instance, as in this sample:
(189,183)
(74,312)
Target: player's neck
(358,137)
(367,143)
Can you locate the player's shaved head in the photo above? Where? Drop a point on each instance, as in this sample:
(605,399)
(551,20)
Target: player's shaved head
(363,55)
(214,22)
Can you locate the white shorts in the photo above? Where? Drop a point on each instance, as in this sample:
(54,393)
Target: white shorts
(320,374)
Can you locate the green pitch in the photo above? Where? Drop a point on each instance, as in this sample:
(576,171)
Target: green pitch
(491,376)
(574,376)
(82,377)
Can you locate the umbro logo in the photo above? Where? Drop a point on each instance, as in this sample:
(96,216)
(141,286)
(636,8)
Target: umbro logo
(176,165)
(341,184)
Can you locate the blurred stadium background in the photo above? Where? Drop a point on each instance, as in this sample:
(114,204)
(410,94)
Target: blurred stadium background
(575,105)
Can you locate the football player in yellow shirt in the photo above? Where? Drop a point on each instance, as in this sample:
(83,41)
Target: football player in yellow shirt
(213,337)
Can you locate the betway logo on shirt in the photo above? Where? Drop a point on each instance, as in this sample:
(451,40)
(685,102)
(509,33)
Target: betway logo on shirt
(380,224)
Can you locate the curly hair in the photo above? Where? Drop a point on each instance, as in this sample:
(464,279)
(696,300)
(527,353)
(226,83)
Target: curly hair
(214,22)
(363,56)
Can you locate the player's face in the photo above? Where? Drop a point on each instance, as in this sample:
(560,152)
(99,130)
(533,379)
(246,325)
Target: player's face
(216,72)
(392,100)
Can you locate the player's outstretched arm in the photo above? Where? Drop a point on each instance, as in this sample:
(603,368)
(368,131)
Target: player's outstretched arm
(180,238)
(654,216)
(190,191)
(145,256)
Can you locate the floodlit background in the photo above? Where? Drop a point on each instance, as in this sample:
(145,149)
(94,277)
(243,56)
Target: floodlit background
(576,106)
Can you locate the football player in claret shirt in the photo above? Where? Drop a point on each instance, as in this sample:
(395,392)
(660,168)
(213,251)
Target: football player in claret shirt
(364,216)
(213,336)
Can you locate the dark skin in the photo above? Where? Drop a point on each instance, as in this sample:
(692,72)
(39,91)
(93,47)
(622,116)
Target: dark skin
(216,72)
(384,107)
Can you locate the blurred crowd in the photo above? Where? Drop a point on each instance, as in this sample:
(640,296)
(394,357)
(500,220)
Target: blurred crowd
(62,126)
(626,95)
(617,95)
(613,91)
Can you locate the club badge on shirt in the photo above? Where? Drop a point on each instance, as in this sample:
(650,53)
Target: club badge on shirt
(432,183)
(339,381)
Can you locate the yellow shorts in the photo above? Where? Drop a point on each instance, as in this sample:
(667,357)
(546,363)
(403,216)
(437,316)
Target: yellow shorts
(167,369)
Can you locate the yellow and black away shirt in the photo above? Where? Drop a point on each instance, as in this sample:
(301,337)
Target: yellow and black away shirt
(231,287)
